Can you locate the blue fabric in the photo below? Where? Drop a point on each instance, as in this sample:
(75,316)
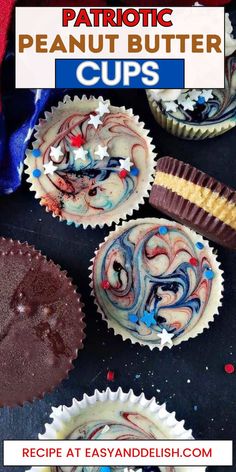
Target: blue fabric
(13,146)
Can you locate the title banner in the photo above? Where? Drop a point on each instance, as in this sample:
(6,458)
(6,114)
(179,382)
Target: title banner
(120,47)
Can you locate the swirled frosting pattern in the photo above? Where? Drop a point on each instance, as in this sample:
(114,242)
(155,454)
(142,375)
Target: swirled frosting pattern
(152,272)
(81,189)
(220,108)
(114,421)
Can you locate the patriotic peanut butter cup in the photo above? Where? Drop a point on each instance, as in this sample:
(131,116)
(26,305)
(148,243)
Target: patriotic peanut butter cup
(156,282)
(195,199)
(91,163)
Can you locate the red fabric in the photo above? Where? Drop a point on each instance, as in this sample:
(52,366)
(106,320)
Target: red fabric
(6,7)
(172,3)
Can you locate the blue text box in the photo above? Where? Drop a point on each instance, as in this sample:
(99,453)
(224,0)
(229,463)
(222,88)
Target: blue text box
(119,73)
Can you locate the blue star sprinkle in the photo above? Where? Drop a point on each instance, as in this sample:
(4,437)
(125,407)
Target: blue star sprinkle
(201,100)
(199,245)
(209,274)
(134,171)
(133,318)
(36,153)
(36,173)
(163,230)
(148,318)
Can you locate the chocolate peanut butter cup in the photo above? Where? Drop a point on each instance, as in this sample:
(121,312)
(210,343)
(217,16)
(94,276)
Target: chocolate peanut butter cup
(196,199)
(41,324)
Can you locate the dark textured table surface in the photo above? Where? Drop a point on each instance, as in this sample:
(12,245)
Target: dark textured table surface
(190,378)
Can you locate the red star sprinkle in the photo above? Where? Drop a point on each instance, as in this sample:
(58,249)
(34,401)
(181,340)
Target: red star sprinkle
(77,141)
(110,375)
(123,173)
(105,284)
(229,368)
(193,261)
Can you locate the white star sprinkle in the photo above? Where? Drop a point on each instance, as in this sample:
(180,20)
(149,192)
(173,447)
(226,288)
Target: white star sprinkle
(80,154)
(101,152)
(181,99)
(105,429)
(206,94)
(194,94)
(49,168)
(188,104)
(171,106)
(125,164)
(166,338)
(103,108)
(95,120)
(56,153)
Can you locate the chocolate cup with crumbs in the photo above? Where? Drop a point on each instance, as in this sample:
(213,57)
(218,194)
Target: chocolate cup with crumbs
(41,324)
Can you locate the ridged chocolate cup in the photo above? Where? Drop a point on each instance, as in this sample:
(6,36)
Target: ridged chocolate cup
(183,210)
(41,324)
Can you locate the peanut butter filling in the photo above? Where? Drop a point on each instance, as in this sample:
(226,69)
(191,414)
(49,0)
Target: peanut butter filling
(203,197)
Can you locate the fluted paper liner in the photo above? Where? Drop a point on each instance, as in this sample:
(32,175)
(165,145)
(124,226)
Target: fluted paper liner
(184,130)
(13,247)
(120,211)
(63,416)
(214,302)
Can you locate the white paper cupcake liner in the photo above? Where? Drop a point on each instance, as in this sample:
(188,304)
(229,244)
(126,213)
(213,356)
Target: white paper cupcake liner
(120,212)
(216,295)
(184,130)
(63,418)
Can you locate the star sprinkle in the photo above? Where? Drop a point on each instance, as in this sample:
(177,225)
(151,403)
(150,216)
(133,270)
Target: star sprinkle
(103,108)
(166,338)
(194,94)
(101,152)
(188,104)
(105,429)
(125,164)
(95,120)
(133,318)
(77,141)
(80,154)
(171,106)
(182,98)
(49,168)
(148,318)
(56,153)
(207,94)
